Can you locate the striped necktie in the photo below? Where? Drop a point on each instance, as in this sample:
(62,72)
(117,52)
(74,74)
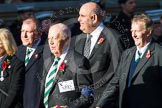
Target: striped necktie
(27,57)
(49,81)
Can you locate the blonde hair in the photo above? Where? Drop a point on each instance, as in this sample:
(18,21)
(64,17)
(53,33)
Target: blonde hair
(146,20)
(8,41)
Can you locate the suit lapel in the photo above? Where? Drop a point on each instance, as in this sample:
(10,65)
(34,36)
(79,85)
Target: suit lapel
(48,59)
(34,57)
(47,64)
(130,56)
(144,60)
(80,43)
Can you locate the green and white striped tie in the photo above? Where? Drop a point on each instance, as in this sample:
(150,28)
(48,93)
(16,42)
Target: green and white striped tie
(27,57)
(49,81)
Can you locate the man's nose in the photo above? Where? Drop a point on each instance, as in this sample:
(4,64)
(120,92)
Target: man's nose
(24,34)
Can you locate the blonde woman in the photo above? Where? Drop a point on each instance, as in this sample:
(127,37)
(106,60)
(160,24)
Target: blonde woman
(11,72)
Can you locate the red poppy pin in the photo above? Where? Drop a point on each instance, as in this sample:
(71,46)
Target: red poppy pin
(57,106)
(4,65)
(62,67)
(148,54)
(100,41)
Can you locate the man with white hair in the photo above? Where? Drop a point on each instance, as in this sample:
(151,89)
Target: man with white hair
(66,75)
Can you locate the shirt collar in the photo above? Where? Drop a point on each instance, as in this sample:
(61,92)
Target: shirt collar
(64,54)
(98,30)
(142,50)
(30,48)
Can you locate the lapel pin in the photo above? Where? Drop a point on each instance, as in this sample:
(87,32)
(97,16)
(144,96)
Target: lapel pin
(62,67)
(148,54)
(101,40)
(36,56)
(65,61)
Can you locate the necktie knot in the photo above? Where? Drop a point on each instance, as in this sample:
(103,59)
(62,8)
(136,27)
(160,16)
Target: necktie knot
(27,57)
(139,53)
(29,51)
(138,56)
(89,37)
(56,60)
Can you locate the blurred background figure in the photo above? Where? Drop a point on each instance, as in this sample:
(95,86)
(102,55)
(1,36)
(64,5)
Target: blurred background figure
(74,26)
(11,72)
(24,12)
(157,32)
(2,23)
(161,20)
(45,18)
(122,22)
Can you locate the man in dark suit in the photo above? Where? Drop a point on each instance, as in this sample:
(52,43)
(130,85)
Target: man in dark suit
(30,52)
(104,51)
(138,79)
(66,76)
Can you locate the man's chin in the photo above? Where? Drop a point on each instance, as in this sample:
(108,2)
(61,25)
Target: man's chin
(26,44)
(56,54)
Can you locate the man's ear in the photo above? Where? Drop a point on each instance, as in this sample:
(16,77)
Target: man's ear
(149,31)
(94,18)
(37,35)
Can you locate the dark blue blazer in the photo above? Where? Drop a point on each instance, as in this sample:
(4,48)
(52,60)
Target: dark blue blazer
(33,75)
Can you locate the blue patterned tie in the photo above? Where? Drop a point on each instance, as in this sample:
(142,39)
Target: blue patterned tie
(49,81)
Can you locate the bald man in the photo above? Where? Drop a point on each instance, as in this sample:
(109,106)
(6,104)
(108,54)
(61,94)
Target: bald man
(104,49)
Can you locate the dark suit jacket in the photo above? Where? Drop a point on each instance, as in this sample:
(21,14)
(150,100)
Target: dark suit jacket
(31,95)
(12,84)
(76,69)
(146,84)
(103,59)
